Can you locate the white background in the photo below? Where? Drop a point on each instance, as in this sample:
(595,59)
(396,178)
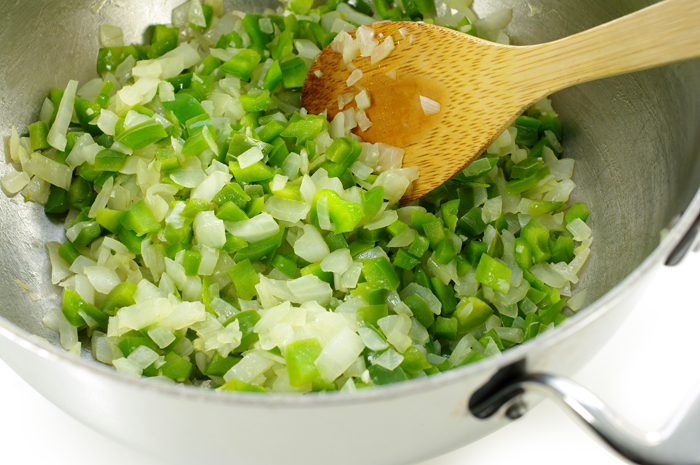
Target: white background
(644,372)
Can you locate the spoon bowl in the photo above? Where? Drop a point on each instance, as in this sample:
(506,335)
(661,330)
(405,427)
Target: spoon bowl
(481,87)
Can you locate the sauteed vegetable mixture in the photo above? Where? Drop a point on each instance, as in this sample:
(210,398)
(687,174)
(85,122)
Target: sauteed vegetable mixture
(220,236)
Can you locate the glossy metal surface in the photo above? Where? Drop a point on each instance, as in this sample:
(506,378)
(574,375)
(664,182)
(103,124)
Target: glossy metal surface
(676,443)
(636,145)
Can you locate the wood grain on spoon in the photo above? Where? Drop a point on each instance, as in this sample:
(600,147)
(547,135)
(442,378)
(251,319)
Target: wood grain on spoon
(481,86)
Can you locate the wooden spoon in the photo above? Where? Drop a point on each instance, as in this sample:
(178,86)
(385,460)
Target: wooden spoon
(482,86)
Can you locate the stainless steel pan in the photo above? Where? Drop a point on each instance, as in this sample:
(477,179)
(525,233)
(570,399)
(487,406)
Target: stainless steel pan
(636,142)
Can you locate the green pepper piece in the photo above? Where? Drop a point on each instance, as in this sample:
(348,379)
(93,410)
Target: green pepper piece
(57,202)
(140,220)
(164,40)
(523,254)
(176,368)
(521,185)
(131,240)
(232,192)
(231,212)
(219,366)
(293,73)
(445,294)
(121,295)
(244,278)
(68,252)
(91,231)
(419,246)
(550,312)
(577,210)
(256,172)
(335,241)
(232,40)
(86,111)
(315,269)
(191,261)
(421,309)
(344,215)
(256,250)
(446,328)
(562,249)
(271,131)
(184,107)
(538,237)
(142,135)
(37,135)
(434,232)
(472,223)
(450,210)
(371,314)
(419,219)
(110,160)
(240,386)
(471,318)
(526,168)
(372,201)
(380,274)
(110,219)
(405,260)
(371,295)
(273,77)
(494,274)
(305,129)
(285,264)
(257,102)
(550,122)
(528,130)
(380,375)
(242,64)
(477,169)
(537,207)
(74,305)
(167,158)
(473,356)
(421,277)
(414,361)
(446,251)
(358,247)
(300,357)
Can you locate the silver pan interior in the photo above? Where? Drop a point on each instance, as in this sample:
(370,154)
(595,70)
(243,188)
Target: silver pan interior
(635,138)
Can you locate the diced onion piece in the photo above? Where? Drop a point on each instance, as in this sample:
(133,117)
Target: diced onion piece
(354,77)
(545,273)
(363,121)
(50,171)
(382,51)
(311,246)
(362,100)
(14,181)
(250,367)
(579,229)
(286,209)
(340,352)
(102,278)
(255,229)
(337,261)
(576,301)
(209,230)
(143,356)
(250,156)
(211,185)
(57,134)
(366,40)
(372,340)
(430,106)
(389,359)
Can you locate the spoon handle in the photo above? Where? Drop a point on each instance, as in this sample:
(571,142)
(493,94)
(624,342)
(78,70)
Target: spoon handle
(664,33)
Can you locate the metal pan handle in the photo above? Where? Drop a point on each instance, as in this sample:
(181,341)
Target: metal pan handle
(678,443)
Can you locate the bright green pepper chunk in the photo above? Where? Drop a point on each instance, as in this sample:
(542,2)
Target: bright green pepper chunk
(538,237)
(470,317)
(344,215)
(246,322)
(256,172)
(191,261)
(240,386)
(372,313)
(109,160)
(164,40)
(521,185)
(538,207)
(121,295)
(577,210)
(244,279)
(528,130)
(300,357)
(256,102)
(380,375)
(380,274)
(446,328)
(421,309)
(140,220)
(176,368)
(445,294)
(242,64)
(184,107)
(68,252)
(305,129)
(91,231)
(37,135)
(405,260)
(142,135)
(110,219)
(219,366)
(293,73)
(273,77)
(472,223)
(232,192)
(74,305)
(131,240)
(493,273)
